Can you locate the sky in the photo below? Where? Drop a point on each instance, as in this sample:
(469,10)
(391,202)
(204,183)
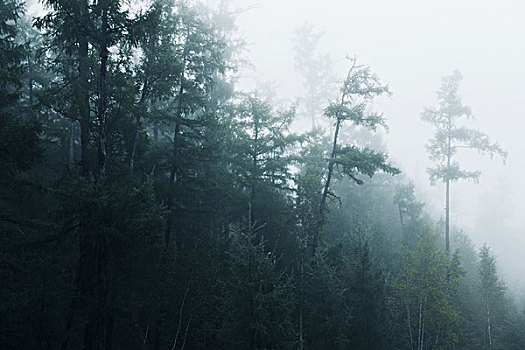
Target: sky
(411,44)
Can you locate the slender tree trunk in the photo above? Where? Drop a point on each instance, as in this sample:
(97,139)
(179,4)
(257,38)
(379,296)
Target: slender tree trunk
(71,144)
(102,152)
(146,333)
(489,331)
(156,132)
(83,90)
(447,219)
(30,85)
(83,279)
(176,151)
(423,335)
(180,312)
(173,179)
(420,326)
(186,332)
(447,207)
(401,218)
(101,324)
(301,301)
(138,123)
(409,325)
(326,189)
(254,174)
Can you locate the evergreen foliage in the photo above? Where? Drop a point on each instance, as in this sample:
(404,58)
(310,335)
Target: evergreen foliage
(146,203)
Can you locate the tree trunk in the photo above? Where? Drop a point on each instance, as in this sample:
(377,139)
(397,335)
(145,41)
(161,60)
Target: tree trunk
(173,178)
(254,174)
(301,301)
(71,144)
(447,208)
(99,324)
(83,279)
(489,331)
(447,219)
(30,86)
(420,326)
(409,325)
(180,313)
(320,215)
(83,90)
(102,92)
(138,122)
(186,332)
(176,151)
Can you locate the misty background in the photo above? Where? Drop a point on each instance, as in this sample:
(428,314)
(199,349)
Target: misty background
(411,45)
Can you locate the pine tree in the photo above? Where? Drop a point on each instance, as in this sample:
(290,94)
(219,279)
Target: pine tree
(450,137)
(357,93)
(492,292)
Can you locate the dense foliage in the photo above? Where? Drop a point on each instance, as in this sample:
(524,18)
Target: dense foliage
(145,203)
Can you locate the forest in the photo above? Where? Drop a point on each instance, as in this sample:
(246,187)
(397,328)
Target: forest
(148,202)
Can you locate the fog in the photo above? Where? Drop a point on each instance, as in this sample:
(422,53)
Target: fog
(255,174)
(410,45)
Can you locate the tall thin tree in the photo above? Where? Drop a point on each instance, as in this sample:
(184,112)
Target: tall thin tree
(449,137)
(359,89)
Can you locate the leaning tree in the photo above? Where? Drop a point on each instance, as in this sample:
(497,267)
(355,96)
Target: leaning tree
(359,89)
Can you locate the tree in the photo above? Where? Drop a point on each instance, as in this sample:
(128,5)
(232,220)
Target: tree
(315,68)
(449,137)
(420,299)
(159,70)
(359,89)
(263,144)
(492,292)
(200,52)
(68,27)
(12,53)
(410,211)
(258,299)
(366,286)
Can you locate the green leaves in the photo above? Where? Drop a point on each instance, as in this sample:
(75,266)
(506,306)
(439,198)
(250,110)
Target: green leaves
(362,83)
(452,173)
(354,160)
(359,89)
(263,142)
(356,114)
(490,285)
(450,136)
(258,299)
(420,298)
(11,52)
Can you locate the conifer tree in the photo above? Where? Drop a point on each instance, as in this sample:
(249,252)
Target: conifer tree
(359,89)
(492,292)
(451,136)
(421,304)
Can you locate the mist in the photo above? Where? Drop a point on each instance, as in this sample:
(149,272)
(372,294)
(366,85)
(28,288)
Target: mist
(262,174)
(411,44)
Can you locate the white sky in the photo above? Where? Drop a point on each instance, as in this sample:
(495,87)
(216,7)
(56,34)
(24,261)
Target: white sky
(410,44)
